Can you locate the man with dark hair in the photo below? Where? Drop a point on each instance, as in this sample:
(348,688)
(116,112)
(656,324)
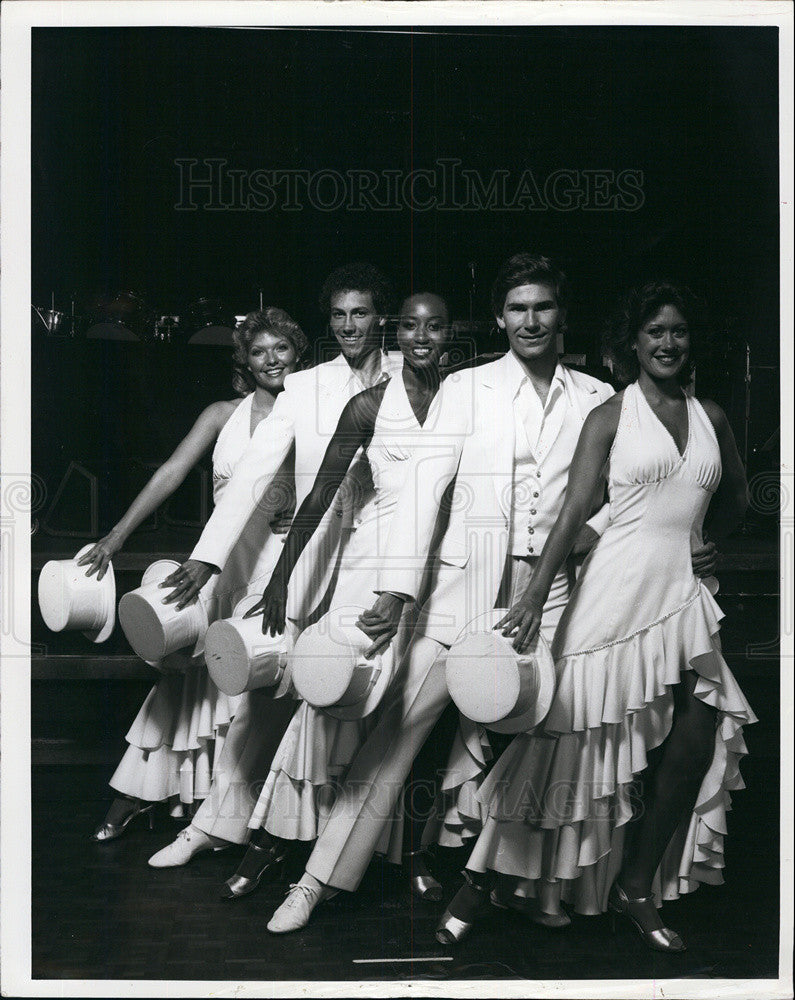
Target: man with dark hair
(506,433)
(304,417)
(528,269)
(358,276)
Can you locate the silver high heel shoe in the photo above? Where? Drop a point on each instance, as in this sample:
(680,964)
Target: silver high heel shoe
(259,861)
(423,885)
(661,939)
(452,930)
(110,831)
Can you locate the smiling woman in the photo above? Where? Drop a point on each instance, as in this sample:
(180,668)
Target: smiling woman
(646,708)
(658,317)
(173,737)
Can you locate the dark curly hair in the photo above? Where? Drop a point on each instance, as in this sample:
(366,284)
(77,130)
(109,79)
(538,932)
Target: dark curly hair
(358,277)
(636,308)
(269,320)
(528,269)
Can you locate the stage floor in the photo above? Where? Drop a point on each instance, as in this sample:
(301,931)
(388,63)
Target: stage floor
(99,911)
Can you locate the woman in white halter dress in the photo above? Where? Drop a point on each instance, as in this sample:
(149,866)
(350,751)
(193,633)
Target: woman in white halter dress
(642,687)
(317,749)
(179,730)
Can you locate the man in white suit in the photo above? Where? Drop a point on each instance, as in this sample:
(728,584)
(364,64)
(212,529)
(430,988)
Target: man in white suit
(506,432)
(357,299)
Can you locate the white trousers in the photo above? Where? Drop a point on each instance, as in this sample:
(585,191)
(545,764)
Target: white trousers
(375,780)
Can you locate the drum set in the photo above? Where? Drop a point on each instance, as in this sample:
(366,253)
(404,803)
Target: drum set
(125,315)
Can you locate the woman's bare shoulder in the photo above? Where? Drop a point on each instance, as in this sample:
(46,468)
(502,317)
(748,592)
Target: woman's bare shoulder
(219,412)
(714,412)
(602,422)
(610,410)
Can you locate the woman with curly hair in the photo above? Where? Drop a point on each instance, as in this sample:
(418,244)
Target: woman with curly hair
(646,711)
(181,725)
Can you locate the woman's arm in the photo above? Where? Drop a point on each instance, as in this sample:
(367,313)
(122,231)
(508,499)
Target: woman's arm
(593,448)
(730,502)
(160,487)
(354,430)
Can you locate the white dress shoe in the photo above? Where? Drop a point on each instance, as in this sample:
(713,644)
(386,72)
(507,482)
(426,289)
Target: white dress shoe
(189,842)
(295,911)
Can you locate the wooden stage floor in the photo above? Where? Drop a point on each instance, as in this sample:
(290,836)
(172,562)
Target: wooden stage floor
(99,912)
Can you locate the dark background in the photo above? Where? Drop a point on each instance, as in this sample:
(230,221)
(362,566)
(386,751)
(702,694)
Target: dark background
(695,110)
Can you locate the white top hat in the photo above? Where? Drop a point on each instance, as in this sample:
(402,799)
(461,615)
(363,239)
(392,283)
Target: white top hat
(240,657)
(491,683)
(330,671)
(154,629)
(69,599)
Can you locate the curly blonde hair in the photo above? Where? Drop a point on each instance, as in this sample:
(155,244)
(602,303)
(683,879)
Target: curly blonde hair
(270,320)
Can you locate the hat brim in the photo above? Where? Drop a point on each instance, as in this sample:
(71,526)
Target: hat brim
(543,701)
(348,713)
(547,678)
(284,684)
(159,570)
(366,706)
(108,584)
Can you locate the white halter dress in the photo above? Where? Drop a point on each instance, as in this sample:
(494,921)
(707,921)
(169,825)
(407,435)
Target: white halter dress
(179,731)
(558,801)
(317,749)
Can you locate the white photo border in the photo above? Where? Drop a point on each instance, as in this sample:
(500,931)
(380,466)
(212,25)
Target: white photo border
(18,18)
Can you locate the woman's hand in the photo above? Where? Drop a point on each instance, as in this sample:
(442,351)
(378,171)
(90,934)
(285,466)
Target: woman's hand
(280,525)
(705,560)
(100,554)
(522,621)
(584,542)
(187,580)
(381,622)
(273,606)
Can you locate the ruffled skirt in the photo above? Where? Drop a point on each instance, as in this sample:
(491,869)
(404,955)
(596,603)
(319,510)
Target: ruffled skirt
(175,739)
(311,764)
(557,804)
(459,814)
(307,769)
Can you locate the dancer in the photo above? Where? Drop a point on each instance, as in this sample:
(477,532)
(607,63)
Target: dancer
(645,706)
(506,431)
(387,422)
(185,716)
(356,298)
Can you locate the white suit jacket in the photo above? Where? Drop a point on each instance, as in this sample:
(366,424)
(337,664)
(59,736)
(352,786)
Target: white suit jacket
(305,415)
(470,437)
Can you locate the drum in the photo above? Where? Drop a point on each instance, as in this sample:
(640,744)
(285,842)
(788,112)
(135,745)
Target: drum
(124,316)
(208,321)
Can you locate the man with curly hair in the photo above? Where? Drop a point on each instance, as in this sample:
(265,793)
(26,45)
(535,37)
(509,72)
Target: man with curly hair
(356,298)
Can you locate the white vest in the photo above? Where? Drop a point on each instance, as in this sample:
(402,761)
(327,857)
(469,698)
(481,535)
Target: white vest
(541,477)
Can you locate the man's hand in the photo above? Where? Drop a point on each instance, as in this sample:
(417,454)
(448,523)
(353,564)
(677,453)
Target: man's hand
(584,542)
(381,622)
(272,606)
(522,622)
(705,560)
(187,580)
